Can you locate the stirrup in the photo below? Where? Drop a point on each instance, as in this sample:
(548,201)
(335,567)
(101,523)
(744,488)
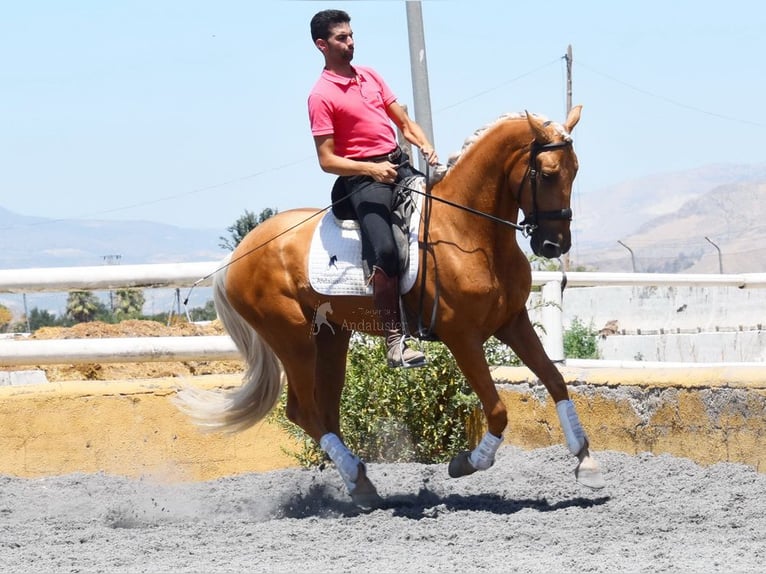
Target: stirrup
(416,357)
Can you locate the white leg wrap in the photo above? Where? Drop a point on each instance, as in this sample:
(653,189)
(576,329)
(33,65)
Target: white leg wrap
(346,462)
(570,424)
(483,456)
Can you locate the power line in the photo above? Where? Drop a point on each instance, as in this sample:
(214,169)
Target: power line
(497,87)
(669,100)
(444,108)
(159,199)
(252,175)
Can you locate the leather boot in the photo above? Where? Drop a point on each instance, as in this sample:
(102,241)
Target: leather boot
(385,296)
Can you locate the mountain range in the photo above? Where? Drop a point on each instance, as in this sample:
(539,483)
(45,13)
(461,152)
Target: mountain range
(39,242)
(704,220)
(664,219)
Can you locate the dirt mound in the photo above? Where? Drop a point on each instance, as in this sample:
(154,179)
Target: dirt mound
(131,328)
(123,371)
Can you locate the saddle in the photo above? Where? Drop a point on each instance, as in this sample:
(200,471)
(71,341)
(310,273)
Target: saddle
(335,254)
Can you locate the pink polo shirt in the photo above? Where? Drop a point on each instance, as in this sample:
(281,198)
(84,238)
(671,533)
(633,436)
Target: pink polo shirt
(353,110)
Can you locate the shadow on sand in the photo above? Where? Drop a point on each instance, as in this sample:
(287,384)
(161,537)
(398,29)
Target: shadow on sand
(327,502)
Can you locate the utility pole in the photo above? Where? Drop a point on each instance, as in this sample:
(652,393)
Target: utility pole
(111,260)
(419,71)
(26,312)
(568,58)
(402,141)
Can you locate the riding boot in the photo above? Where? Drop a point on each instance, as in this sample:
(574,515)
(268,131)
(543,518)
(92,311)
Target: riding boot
(385,295)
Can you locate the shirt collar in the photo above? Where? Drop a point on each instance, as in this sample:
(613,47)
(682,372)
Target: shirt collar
(341,80)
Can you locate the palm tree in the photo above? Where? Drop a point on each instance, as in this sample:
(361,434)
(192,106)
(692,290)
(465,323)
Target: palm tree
(82,306)
(128,303)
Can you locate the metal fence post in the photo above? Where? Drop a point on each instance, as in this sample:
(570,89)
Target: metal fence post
(553,321)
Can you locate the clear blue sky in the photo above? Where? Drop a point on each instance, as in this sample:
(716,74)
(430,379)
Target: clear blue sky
(189,112)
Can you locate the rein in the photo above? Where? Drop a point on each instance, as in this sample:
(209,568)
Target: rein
(529,224)
(526,227)
(264,244)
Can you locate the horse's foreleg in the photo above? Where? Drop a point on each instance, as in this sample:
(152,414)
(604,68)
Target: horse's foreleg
(520,336)
(471,360)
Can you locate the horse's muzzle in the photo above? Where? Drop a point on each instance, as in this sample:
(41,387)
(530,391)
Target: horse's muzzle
(548,248)
(551,250)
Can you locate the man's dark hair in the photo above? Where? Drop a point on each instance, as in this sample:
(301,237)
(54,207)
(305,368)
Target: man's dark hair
(324,20)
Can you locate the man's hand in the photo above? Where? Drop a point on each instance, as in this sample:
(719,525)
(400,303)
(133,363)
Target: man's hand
(383,172)
(429,154)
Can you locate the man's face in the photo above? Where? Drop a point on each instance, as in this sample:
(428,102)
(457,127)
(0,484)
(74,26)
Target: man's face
(340,43)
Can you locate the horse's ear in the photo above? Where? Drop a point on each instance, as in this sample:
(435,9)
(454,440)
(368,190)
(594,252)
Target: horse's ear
(541,136)
(572,118)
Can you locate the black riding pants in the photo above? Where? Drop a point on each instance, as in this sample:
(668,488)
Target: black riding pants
(371,203)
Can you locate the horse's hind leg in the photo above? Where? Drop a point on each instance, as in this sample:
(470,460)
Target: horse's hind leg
(330,375)
(520,336)
(316,373)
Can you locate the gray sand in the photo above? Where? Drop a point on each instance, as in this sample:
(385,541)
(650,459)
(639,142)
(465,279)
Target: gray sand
(526,514)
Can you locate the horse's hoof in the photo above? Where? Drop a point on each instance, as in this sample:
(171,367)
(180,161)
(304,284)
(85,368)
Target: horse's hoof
(461,465)
(365,495)
(588,472)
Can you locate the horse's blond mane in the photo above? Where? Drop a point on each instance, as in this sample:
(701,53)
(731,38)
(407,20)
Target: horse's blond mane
(476,136)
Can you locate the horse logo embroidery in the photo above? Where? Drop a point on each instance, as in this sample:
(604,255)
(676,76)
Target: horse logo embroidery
(320,318)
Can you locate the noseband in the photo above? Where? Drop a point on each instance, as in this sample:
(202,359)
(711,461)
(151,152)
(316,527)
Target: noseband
(530,221)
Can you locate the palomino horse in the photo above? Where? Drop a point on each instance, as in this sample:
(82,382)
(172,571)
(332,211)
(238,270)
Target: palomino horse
(475,273)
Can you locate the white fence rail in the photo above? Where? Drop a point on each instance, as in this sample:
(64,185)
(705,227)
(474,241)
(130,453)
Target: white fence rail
(117,350)
(142,349)
(105,277)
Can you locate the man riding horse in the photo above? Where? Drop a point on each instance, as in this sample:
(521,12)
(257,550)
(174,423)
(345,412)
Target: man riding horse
(473,272)
(350,110)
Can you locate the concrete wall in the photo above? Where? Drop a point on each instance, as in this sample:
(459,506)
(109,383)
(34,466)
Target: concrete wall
(715,347)
(125,428)
(132,428)
(669,308)
(708,415)
(685,324)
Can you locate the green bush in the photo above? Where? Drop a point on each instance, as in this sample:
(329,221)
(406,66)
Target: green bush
(425,415)
(397,415)
(580,341)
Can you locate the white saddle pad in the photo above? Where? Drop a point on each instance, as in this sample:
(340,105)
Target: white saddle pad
(335,256)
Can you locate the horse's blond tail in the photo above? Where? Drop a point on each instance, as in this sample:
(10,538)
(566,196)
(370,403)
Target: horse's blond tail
(237,409)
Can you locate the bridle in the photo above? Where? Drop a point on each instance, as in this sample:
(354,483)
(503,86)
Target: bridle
(529,223)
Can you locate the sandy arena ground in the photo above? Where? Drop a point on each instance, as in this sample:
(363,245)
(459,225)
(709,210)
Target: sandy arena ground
(526,514)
